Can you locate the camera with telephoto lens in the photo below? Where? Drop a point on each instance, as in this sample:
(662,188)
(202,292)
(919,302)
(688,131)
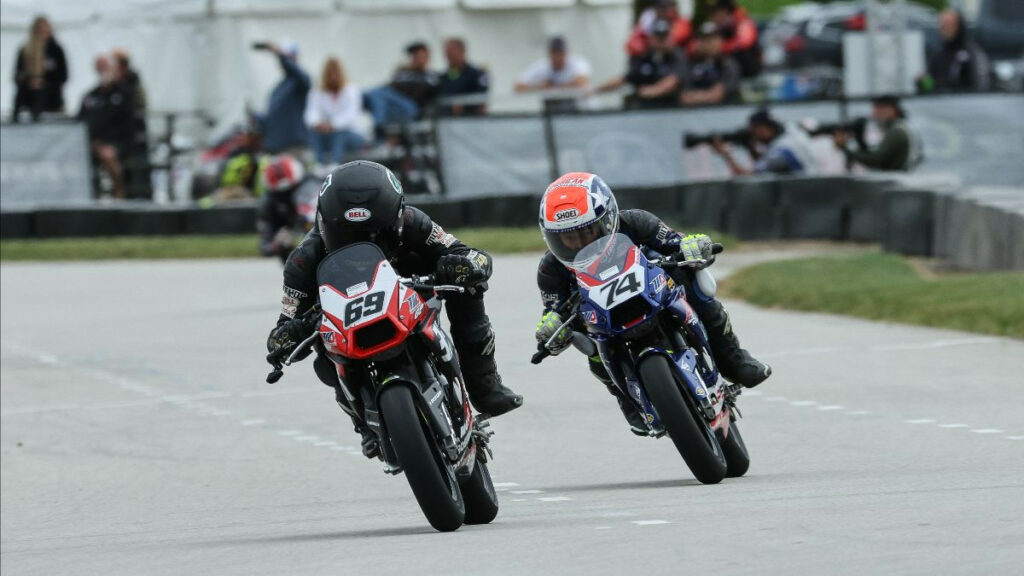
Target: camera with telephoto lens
(855,127)
(739,137)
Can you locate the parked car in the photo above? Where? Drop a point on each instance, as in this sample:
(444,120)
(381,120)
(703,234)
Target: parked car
(811,34)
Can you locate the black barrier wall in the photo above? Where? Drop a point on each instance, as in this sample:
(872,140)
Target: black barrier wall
(976,228)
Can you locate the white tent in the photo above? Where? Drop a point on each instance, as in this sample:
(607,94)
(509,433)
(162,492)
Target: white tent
(196,54)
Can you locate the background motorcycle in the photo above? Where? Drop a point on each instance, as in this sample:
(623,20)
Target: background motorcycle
(656,351)
(399,372)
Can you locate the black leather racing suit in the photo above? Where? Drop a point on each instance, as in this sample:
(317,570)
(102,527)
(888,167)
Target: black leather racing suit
(422,244)
(557,282)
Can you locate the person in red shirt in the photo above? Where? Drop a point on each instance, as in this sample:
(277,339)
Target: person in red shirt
(640,40)
(739,35)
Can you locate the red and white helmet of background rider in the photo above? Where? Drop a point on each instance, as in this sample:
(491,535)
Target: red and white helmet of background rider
(281,173)
(577,209)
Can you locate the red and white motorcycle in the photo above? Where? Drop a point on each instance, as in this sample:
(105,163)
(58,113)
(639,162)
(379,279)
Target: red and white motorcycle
(399,370)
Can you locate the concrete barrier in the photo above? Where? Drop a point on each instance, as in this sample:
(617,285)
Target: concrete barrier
(979,228)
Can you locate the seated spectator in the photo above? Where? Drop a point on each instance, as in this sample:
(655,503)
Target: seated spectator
(331,115)
(40,72)
(657,74)
(899,150)
(462,79)
(775,148)
(711,77)
(283,125)
(413,87)
(108,111)
(639,41)
(558,70)
(960,65)
(739,35)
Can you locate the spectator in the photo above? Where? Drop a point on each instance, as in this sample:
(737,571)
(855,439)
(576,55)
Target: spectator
(739,34)
(655,75)
(959,65)
(639,41)
(413,87)
(711,76)
(900,149)
(108,112)
(283,127)
(40,72)
(132,84)
(331,115)
(774,148)
(558,70)
(462,79)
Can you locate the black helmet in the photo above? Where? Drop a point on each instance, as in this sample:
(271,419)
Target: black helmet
(361,201)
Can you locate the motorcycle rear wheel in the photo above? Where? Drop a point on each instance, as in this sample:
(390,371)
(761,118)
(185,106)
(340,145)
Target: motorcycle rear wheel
(694,439)
(736,456)
(481,499)
(431,478)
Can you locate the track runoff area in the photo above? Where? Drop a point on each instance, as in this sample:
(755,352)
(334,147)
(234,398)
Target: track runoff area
(139,437)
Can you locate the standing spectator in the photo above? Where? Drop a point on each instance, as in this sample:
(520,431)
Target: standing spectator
(711,77)
(959,65)
(283,126)
(558,70)
(108,112)
(657,74)
(461,79)
(639,41)
(331,115)
(739,34)
(413,87)
(132,83)
(40,72)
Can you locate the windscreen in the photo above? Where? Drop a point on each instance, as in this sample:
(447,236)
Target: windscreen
(605,257)
(350,267)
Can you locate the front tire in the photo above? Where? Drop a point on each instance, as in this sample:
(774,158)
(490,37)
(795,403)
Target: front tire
(735,450)
(481,499)
(694,439)
(431,478)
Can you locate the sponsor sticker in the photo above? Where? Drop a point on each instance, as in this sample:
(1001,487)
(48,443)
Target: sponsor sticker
(356,289)
(394,182)
(439,237)
(590,317)
(357,214)
(289,306)
(568,214)
(608,272)
(658,283)
(327,183)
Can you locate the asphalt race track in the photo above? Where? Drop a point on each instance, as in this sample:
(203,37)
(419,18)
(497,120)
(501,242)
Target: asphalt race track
(139,438)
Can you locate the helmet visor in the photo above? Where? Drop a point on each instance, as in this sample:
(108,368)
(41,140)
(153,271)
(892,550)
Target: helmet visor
(565,244)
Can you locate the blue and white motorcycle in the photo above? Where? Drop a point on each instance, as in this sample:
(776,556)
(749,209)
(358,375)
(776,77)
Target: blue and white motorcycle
(656,351)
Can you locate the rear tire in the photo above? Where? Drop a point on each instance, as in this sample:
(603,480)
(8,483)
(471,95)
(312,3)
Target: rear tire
(481,499)
(694,439)
(431,478)
(735,450)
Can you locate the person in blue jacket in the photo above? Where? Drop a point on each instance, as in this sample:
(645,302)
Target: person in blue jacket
(284,128)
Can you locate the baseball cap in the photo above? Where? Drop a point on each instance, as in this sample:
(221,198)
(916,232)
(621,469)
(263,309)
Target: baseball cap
(889,100)
(661,28)
(557,44)
(289,47)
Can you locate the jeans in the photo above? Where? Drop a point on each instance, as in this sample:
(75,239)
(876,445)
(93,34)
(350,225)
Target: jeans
(330,147)
(389,106)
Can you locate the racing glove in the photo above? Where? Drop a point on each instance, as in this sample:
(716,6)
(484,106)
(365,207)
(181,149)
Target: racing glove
(695,247)
(463,270)
(286,336)
(548,327)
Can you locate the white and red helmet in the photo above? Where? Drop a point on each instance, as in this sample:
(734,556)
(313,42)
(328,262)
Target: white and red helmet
(575,210)
(281,173)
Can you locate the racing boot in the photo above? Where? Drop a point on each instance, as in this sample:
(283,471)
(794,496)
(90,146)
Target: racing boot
(633,417)
(486,392)
(370,443)
(734,363)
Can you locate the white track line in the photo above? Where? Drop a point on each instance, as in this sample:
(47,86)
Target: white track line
(953,426)
(554,499)
(650,522)
(986,431)
(920,421)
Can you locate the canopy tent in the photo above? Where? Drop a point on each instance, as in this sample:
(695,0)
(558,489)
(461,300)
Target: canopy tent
(196,54)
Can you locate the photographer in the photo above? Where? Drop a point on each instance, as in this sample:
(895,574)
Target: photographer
(774,148)
(899,148)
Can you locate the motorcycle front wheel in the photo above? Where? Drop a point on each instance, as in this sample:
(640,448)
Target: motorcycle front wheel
(693,438)
(735,450)
(481,499)
(431,478)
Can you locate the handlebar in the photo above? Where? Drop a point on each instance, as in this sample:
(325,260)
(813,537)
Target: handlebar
(427,283)
(669,262)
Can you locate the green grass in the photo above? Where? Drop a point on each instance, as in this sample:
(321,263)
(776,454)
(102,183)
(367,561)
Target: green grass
(886,287)
(493,240)
(766,8)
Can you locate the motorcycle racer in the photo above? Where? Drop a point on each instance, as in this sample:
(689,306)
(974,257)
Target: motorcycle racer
(363,201)
(579,208)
